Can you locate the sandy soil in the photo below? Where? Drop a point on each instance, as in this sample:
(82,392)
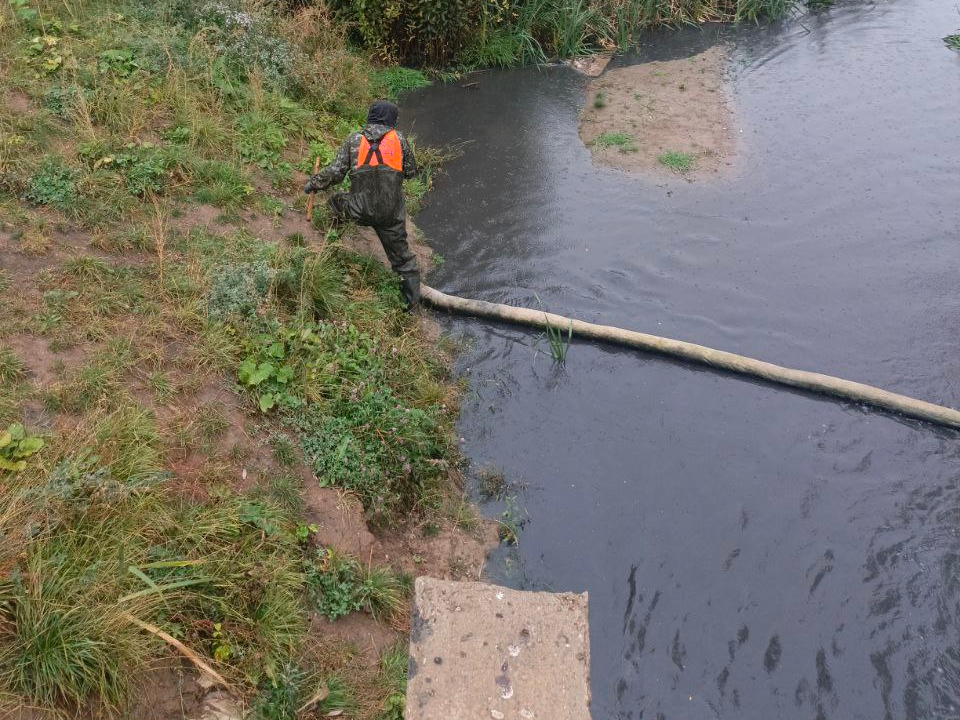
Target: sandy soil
(670,106)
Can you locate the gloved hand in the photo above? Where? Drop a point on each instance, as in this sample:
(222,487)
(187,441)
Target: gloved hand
(313,185)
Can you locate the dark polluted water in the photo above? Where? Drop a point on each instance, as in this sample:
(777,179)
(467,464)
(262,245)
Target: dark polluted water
(750,552)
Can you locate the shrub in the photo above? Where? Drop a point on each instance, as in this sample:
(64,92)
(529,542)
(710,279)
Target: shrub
(431,32)
(247,41)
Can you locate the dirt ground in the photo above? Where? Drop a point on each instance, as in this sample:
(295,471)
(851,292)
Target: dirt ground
(665,106)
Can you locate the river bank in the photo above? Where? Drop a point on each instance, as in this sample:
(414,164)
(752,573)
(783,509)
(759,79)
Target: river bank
(223,443)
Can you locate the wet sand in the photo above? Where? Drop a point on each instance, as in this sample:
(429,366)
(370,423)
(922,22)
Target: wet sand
(666,106)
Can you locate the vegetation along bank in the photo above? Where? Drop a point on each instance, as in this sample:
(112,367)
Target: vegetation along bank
(220,437)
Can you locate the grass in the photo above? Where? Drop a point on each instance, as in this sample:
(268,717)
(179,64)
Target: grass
(677,161)
(624,142)
(139,499)
(391,81)
(393,680)
(953,41)
(600,100)
(12,368)
(559,342)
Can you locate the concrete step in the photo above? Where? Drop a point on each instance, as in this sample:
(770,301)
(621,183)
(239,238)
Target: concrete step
(481,651)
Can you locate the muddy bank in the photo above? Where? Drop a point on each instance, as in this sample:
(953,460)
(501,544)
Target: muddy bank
(657,117)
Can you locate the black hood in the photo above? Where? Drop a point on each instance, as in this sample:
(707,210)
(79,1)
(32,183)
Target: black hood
(383,112)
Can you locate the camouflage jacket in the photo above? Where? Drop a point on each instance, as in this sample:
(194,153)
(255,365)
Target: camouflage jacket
(376,193)
(346,159)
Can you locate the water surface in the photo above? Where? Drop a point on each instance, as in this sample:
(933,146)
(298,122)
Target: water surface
(750,551)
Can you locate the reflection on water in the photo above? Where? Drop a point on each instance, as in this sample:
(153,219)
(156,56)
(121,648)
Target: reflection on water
(750,552)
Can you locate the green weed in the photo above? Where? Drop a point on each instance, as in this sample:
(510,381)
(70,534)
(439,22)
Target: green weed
(338,585)
(260,139)
(414,191)
(16,446)
(620,140)
(220,184)
(678,161)
(953,41)
(53,184)
(511,522)
(600,100)
(292,691)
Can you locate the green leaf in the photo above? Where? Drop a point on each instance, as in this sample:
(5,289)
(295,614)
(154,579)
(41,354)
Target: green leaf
(17,466)
(163,588)
(5,439)
(28,446)
(284,374)
(172,564)
(263,371)
(267,401)
(17,431)
(276,350)
(133,570)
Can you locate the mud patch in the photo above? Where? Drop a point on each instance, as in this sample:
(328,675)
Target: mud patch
(18,102)
(634,115)
(168,692)
(44,366)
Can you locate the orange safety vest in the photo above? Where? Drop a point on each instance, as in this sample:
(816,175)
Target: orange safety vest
(385,151)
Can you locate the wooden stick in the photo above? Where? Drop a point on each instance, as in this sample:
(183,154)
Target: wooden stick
(803,379)
(316,169)
(190,654)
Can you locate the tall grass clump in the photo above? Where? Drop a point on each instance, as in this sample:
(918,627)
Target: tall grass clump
(559,342)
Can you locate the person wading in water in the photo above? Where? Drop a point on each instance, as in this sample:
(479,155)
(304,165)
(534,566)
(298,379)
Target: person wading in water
(377,159)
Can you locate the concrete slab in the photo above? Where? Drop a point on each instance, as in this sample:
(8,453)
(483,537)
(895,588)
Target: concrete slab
(480,651)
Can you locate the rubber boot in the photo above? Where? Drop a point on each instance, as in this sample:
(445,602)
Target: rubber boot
(410,287)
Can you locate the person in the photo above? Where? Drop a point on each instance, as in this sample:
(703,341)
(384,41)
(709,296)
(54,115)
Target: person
(377,159)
